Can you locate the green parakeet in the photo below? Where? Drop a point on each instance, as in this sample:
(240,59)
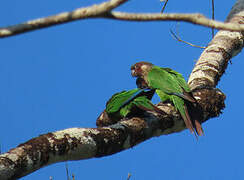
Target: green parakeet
(169,85)
(127,104)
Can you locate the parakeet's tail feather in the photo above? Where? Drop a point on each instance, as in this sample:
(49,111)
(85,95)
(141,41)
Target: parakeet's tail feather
(188,96)
(195,116)
(182,108)
(198,128)
(188,121)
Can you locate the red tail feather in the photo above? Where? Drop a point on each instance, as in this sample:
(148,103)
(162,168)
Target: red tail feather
(193,126)
(198,128)
(187,121)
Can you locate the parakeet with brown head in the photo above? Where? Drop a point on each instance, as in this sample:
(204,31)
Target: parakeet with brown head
(169,85)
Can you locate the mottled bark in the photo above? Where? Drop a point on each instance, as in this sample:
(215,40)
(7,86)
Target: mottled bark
(84,143)
(215,58)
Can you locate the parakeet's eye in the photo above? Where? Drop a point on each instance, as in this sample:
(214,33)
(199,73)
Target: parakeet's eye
(132,68)
(136,67)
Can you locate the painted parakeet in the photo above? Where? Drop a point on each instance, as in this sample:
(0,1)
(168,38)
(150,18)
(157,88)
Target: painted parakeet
(125,104)
(169,85)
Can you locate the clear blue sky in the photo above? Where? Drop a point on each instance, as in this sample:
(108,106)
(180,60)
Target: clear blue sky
(61,77)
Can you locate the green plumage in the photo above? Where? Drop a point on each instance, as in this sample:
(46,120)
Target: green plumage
(125,104)
(169,85)
(120,104)
(168,82)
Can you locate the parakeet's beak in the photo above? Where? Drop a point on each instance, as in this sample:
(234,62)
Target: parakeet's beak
(133,72)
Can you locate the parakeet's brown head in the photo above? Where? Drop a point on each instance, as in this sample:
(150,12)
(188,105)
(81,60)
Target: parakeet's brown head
(141,69)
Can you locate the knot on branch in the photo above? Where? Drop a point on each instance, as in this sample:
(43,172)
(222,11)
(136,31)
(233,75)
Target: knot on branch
(210,101)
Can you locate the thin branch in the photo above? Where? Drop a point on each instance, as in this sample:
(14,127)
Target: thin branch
(67,170)
(177,37)
(103,11)
(129,176)
(81,13)
(213,17)
(162,10)
(195,18)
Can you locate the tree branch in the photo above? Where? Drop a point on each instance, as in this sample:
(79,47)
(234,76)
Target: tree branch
(195,18)
(81,13)
(214,59)
(104,11)
(84,143)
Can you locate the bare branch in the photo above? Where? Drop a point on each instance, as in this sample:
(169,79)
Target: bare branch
(213,17)
(103,11)
(129,176)
(191,18)
(162,10)
(81,13)
(177,37)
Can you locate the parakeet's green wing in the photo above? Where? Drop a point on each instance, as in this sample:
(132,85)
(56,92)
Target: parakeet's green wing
(182,82)
(119,99)
(159,78)
(126,109)
(122,99)
(143,102)
(163,96)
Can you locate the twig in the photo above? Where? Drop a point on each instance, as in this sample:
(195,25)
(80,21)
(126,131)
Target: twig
(177,37)
(162,10)
(129,175)
(213,17)
(67,170)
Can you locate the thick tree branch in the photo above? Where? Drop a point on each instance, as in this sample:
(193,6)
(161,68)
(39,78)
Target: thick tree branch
(214,59)
(104,11)
(83,143)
